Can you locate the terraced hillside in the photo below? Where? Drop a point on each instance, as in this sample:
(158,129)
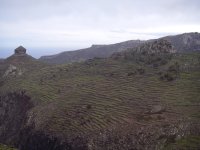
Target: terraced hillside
(132,100)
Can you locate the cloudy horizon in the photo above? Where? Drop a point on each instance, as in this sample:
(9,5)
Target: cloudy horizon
(51,26)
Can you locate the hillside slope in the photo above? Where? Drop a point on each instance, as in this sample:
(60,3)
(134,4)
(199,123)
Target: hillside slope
(143,98)
(185,42)
(100,51)
(182,43)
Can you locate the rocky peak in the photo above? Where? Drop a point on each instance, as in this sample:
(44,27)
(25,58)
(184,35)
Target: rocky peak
(20,51)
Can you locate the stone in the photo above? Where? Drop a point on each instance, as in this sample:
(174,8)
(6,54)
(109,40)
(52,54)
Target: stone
(11,70)
(157,109)
(20,50)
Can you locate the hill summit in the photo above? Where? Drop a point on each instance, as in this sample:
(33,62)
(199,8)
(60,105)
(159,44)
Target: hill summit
(18,63)
(19,56)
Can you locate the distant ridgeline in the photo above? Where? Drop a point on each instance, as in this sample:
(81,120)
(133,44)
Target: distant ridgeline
(186,42)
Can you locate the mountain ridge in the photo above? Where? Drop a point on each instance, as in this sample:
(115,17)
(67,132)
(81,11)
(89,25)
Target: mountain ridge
(101,51)
(182,42)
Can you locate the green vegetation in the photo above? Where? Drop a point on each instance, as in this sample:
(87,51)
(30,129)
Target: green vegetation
(171,73)
(185,143)
(4,147)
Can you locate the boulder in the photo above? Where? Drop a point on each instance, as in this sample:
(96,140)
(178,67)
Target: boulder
(157,109)
(11,70)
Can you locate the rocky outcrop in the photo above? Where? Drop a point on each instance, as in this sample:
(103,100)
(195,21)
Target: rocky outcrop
(20,51)
(39,140)
(12,71)
(19,58)
(158,46)
(185,42)
(148,137)
(157,109)
(13,114)
(153,52)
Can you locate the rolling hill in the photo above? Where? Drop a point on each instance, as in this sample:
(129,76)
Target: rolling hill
(145,97)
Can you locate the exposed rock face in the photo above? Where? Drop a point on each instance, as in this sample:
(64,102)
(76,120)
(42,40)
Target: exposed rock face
(148,137)
(12,71)
(13,113)
(158,46)
(157,109)
(185,42)
(20,50)
(146,51)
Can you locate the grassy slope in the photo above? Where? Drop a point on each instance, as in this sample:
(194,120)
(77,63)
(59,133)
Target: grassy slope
(106,86)
(4,147)
(186,143)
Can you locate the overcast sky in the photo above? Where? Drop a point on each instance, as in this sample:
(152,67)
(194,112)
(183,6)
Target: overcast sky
(51,26)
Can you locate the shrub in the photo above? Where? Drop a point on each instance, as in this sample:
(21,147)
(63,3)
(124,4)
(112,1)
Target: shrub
(131,73)
(140,71)
(174,68)
(168,76)
(89,106)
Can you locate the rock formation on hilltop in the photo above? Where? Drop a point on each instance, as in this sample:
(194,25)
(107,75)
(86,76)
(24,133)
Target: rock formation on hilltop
(19,56)
(20,51)
(18,63)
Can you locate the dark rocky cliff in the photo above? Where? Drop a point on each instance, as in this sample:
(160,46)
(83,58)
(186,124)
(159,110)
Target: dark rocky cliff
(14,107)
